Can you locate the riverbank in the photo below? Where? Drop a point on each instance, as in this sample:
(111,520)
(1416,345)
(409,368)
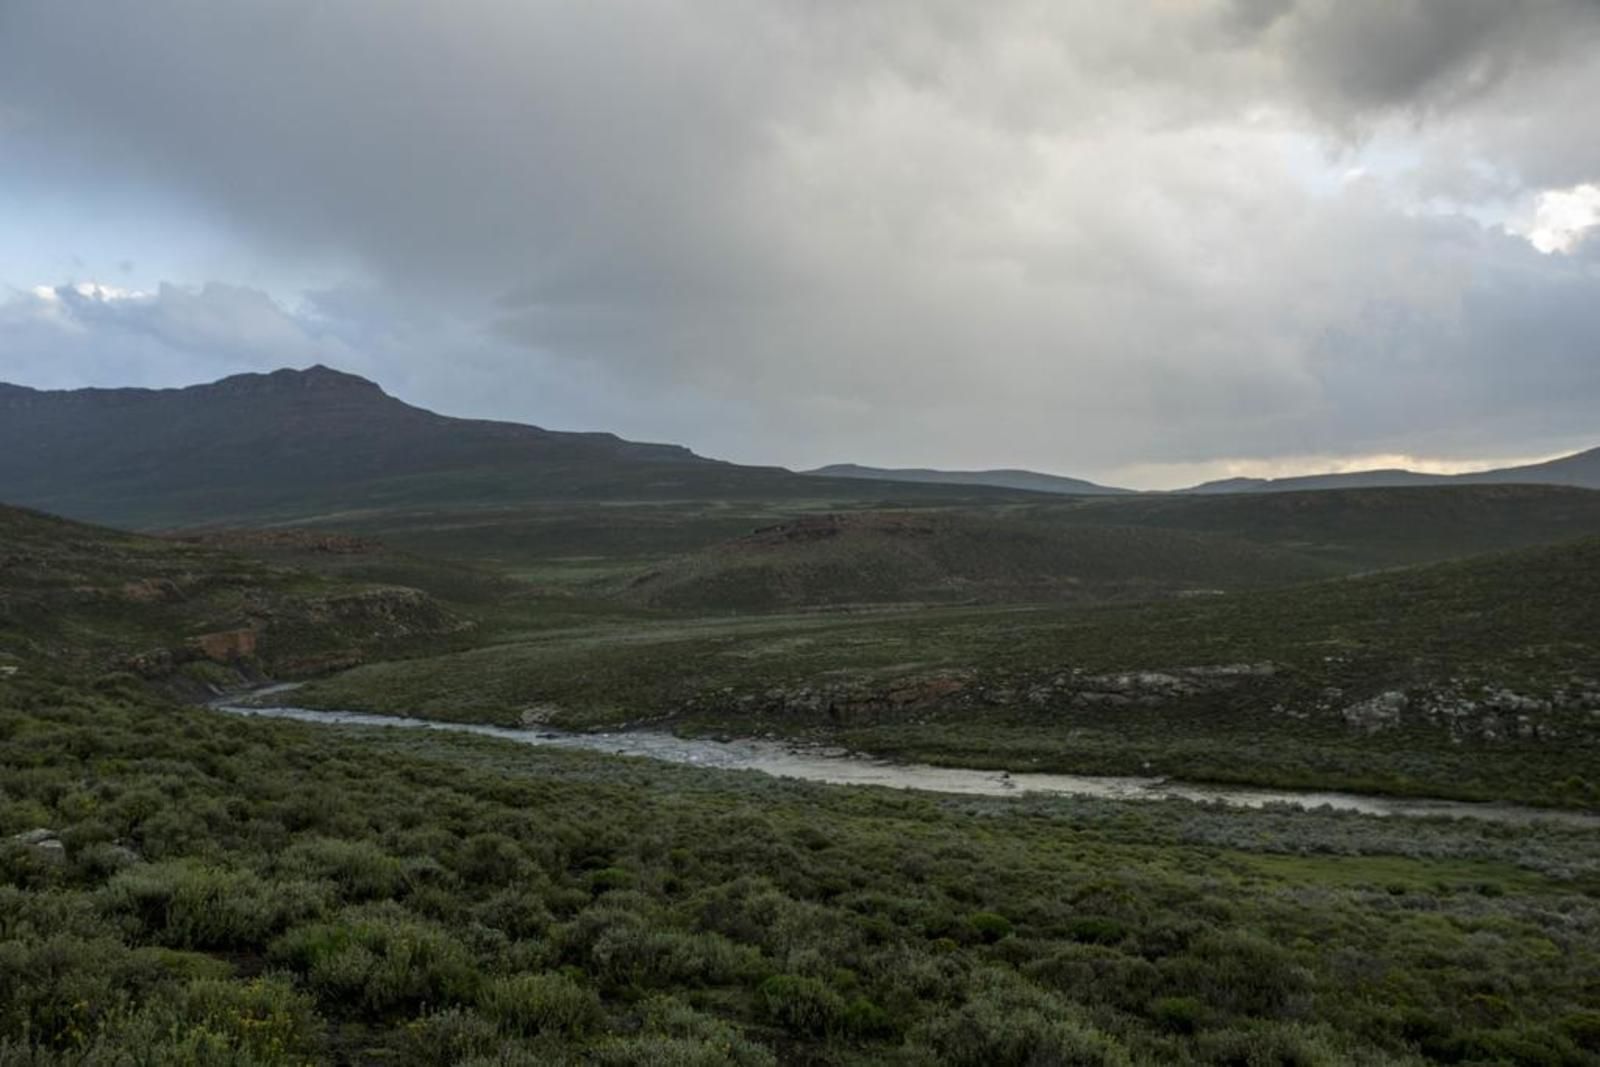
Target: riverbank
(838,767)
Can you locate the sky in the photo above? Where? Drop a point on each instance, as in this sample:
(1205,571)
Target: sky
(1149,242)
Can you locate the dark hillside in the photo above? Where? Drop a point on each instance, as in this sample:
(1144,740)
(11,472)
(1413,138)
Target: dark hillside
(296,444)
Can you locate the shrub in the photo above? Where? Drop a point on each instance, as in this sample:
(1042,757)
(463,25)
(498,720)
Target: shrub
(1096,930)
(640,955)
(675,1035)
(380,961)
(360,869)
(516,911)
(607,879)
(450,1036)
(1180,1015)
(1097,974)
(188,905)
(531,1004)
(988,926)
(1240,973)
(1583,1028)
(803,1005)
(264,1017)
(491,859)
(996,1028)
(1280,1045)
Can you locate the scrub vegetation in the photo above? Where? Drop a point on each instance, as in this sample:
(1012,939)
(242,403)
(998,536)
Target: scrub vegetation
(1477,679)
(180,887)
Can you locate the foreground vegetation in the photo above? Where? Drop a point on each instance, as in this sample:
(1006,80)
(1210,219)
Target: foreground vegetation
(181,887)
(188,888)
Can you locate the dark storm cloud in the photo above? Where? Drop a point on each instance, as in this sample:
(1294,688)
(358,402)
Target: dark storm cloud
(1360,55)
(1065,235)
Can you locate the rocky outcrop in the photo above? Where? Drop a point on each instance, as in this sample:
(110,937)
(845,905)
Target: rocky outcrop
(226,646)
(861,698)
(43,843)
(1381,712)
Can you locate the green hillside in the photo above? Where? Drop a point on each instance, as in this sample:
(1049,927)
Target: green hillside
(1362,528)
(1476,679)
(87,600)
(878,557)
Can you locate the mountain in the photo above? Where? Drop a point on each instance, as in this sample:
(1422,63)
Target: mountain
(1582,469)
(318,442)
(1029,481)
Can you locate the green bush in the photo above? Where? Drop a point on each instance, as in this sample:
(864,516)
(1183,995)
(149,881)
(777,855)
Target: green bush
(360,869)
(803,1005)
(1097,930)
(1239,973)
(264,1017)
(379,961)
(191,905)
(450,1036)
(988,926)
(1180,1015)
(529,1004)
(1000,1028)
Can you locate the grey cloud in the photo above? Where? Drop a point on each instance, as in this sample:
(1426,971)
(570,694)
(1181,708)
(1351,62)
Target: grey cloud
(1060,235)
(63,337)
(1364,54)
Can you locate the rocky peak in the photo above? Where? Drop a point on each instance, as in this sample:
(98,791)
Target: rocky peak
(313,379)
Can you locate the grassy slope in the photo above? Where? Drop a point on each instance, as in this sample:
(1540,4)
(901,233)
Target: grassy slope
(1002,686)
(1364,528)
(929,556)
(86,598)
(1235,541)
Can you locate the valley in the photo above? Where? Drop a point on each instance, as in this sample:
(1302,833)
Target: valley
(601,756)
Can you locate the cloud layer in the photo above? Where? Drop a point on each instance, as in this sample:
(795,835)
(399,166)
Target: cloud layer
(1079,237)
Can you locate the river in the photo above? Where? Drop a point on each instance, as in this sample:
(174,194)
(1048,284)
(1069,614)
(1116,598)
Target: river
(838,767)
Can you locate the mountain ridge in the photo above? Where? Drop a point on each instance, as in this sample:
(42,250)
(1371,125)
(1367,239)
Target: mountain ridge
(1580,469)
(1000,478)
(295,444)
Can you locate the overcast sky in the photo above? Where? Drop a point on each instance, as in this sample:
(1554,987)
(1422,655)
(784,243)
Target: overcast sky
(1148,242)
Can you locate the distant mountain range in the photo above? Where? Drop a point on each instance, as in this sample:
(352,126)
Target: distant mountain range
(1582,469)
(1029,481)
(296,444)
(319,443)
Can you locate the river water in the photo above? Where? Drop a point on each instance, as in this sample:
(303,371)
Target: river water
(838,767)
